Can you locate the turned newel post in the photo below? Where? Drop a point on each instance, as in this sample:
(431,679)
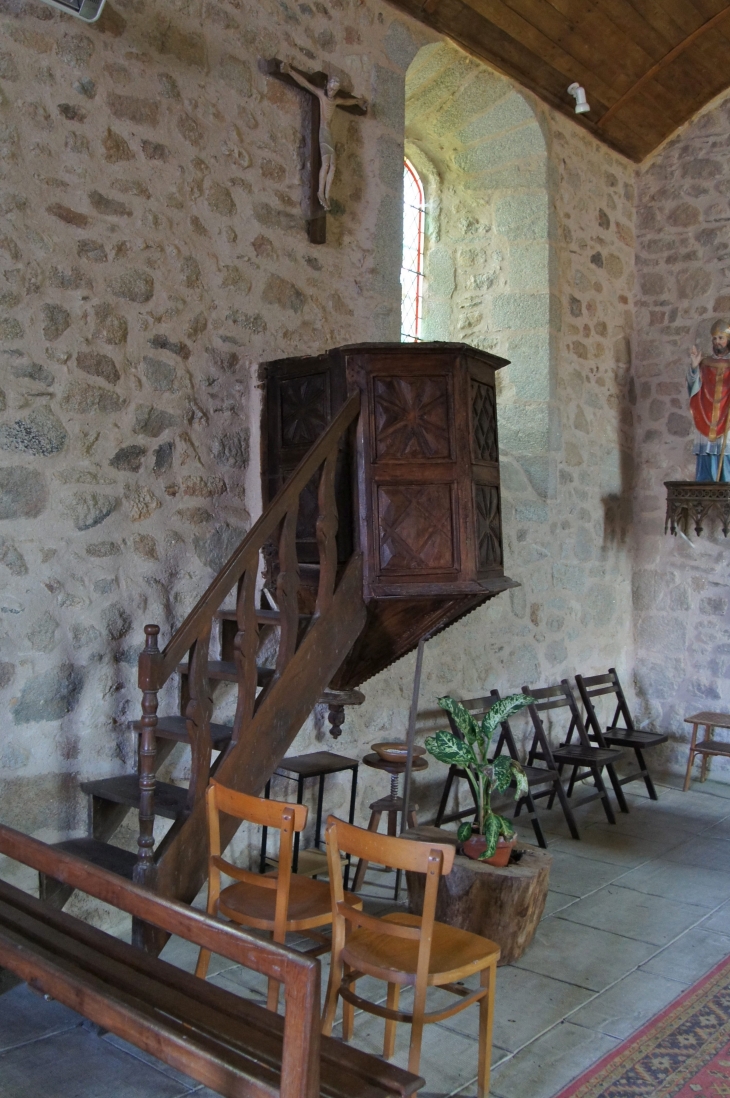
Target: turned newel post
(144,871)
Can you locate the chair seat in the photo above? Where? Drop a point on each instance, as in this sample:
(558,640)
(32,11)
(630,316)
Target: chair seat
(455,953)
(578,753)
(310,904)
(632,737)
(537,775)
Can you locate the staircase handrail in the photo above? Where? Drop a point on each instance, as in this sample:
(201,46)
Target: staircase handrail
(165,663)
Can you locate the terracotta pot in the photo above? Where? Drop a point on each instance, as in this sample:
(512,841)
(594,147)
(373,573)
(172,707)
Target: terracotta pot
(477,844)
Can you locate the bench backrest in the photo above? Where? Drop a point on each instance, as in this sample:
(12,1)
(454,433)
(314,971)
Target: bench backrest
(299,974)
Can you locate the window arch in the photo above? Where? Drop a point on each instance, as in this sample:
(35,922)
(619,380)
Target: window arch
(411,273)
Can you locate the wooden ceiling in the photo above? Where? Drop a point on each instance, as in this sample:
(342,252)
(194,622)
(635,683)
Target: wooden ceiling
(646,65)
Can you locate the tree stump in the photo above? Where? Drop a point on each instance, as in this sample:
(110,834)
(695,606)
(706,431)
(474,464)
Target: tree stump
(504,905)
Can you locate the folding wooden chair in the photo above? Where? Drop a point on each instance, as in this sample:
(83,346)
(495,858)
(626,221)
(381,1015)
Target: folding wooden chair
(405,950)
(536,776)
(585,759)
(280,901)
(614,735)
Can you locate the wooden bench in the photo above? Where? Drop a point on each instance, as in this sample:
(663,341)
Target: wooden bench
(232,1045)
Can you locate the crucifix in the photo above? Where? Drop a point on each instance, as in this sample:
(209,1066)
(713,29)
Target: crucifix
(324,98)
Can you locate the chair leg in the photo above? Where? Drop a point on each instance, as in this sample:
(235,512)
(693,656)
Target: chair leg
(333,990)
(362,864)
(487,978)
(617,788)
(390,1025)
(445,797)
(601,787)
(556,786)
(645,774)
(567,810)
(201,969)
(571,783)
(691,759)
(348,1014)
(534,819)
(419,1009)
(272,998)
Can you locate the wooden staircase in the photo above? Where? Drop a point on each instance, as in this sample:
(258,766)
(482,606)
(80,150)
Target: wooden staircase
(339,613)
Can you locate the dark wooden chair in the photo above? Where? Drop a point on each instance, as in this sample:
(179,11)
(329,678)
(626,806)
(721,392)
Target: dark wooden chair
(614,735)
(230,1044)
(585,759)
(536,776)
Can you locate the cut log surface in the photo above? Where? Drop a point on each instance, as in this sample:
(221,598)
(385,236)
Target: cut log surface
(505,905)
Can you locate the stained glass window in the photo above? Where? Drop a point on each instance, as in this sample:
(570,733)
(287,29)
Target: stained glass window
(411,274)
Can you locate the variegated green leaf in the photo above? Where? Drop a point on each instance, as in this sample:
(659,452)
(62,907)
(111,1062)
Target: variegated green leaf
(520,779)
(505,826)
(445,747)
(464,832)
(502,772)
(461,716)
(491,834)
(502,710)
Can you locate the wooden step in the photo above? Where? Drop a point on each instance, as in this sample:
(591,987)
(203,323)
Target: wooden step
(225,671)
(175,728)
(113,858)
(170,800)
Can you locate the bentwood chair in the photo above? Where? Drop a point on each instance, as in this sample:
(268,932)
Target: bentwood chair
(404,950)
(280,901)
(614,735)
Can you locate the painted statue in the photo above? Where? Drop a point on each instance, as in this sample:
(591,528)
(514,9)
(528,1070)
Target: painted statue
(708,381)
(330,99)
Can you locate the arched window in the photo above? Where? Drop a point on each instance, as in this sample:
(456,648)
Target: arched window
(411,274)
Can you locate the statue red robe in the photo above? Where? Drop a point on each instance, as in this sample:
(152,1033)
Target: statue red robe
(710,398)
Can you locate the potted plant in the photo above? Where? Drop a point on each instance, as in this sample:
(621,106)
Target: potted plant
(491,837)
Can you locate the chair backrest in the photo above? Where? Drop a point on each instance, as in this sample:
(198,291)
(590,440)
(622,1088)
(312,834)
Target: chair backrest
(285,817)
(594,686)
(478,707)
(555,697)
(436,860)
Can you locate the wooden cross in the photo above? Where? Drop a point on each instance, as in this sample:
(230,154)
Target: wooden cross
(315,85)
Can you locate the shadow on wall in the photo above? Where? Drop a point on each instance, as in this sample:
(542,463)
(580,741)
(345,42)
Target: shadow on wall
(480,149)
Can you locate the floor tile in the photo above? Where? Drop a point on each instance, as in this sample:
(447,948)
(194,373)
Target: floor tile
(578,877)
(629,1004)
(688,959)
(25,1016)
(610,844)
(556,901)
(634,914)
(702,887)
(719,922)
(703,851)
(582,955)
(527,1005)
(549,1063)
(77,1063)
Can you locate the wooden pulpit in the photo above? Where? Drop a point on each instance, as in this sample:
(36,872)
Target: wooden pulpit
(418,486)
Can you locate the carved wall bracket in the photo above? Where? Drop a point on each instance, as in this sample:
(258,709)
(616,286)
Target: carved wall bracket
(690,501)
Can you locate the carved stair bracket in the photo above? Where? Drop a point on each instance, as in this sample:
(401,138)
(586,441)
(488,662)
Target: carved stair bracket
(691,502)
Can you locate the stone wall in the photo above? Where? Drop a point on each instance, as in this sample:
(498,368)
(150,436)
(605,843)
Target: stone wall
(152,253)
(681,591)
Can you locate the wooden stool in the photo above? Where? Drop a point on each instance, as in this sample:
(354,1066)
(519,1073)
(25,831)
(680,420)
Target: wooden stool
(708,746)
(392,804)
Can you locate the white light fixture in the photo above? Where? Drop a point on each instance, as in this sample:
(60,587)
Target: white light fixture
(579,94)
(88,10)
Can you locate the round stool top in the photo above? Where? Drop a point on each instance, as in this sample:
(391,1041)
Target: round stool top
(419,763)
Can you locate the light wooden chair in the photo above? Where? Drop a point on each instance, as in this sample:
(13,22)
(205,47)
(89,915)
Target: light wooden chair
(404,950)
(280,901)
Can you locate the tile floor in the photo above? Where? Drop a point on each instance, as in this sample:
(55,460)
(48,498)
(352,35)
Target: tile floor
(635,914)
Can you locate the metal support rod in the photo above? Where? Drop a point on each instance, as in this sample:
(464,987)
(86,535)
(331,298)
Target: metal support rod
(412,731)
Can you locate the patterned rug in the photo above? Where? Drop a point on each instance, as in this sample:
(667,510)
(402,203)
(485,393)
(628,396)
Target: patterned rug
(682,1053)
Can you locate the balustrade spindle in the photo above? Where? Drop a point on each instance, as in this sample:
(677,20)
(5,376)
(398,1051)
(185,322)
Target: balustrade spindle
(144,870)
(287,589)
(327,524)
(245,648)
(198,712)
